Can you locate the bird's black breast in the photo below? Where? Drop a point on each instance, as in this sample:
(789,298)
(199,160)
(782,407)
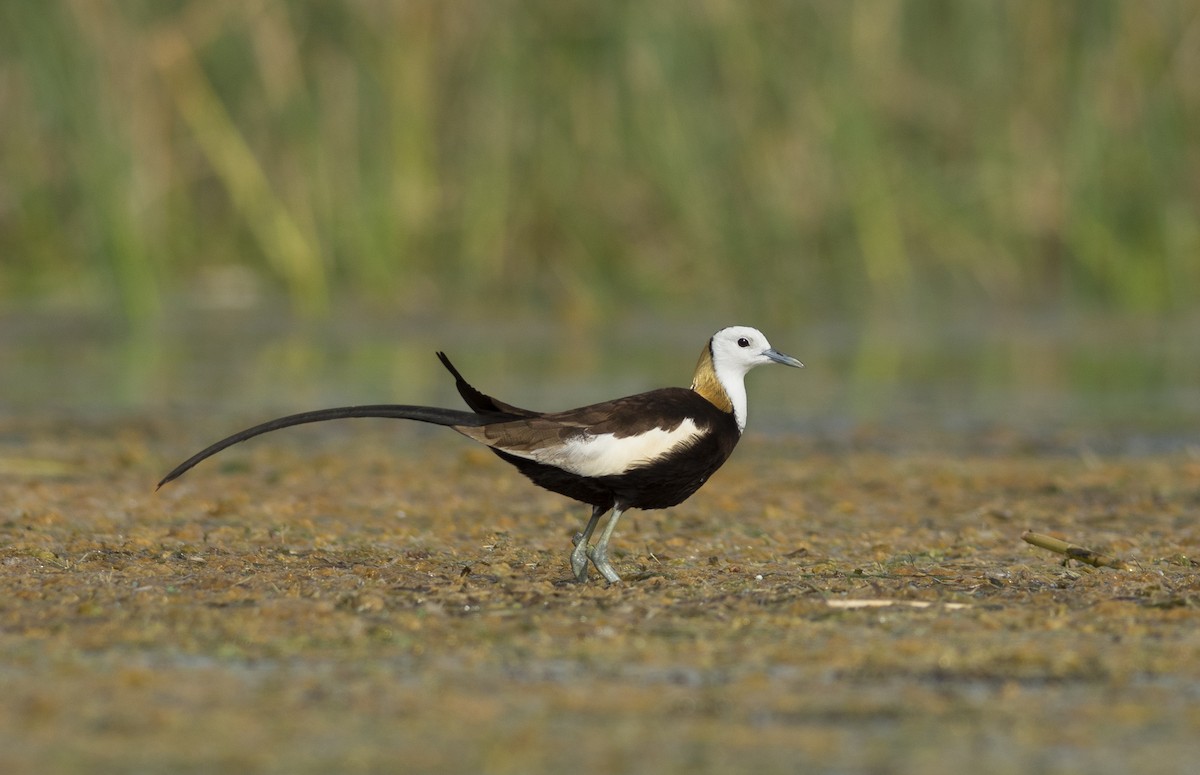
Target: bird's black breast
(657,484)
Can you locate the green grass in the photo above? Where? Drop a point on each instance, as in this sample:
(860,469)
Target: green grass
(793,159)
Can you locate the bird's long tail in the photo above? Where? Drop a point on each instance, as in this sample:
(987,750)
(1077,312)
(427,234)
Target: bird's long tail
(429,414)
(479,401)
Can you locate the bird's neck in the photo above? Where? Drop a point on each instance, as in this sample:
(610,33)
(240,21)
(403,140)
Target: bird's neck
(724,391)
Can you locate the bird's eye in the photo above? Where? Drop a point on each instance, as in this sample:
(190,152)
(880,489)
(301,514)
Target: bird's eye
(743,342)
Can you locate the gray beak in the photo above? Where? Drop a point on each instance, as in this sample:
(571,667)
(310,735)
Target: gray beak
(779,357)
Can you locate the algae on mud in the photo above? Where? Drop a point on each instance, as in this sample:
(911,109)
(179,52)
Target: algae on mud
(370,603)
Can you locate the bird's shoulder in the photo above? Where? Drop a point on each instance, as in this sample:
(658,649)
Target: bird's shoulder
(664,409)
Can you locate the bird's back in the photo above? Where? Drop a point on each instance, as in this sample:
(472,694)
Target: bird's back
(650,450)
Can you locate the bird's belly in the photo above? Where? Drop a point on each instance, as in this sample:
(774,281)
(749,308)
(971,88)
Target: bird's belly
(665,483)
(659,485)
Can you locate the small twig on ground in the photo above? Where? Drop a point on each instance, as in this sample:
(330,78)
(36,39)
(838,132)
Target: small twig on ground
(1073,552)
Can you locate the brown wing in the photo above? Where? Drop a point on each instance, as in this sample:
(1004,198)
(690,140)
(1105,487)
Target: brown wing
(606,438)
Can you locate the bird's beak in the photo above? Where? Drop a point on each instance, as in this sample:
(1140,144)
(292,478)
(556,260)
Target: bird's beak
(779,357)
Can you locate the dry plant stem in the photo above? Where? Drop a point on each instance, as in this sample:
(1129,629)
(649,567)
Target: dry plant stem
(1073,552)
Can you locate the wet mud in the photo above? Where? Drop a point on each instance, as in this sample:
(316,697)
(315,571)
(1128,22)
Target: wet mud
(374,600)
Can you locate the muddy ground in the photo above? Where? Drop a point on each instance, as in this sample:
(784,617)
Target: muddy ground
(368,599)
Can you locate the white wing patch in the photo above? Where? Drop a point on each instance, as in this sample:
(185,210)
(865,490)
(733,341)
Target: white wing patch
(606,455)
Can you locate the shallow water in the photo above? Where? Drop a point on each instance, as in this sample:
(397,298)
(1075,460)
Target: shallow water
(1115,385)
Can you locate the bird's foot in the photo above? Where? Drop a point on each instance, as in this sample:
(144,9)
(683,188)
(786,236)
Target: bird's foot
(579,558)
(599,557)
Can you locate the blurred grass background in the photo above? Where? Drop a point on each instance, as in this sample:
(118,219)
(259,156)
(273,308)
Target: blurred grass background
(791,159)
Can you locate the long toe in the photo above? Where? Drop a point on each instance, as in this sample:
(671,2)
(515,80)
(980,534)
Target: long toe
(599,558)
(579,561)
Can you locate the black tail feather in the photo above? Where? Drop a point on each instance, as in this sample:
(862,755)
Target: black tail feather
(477,400)
(429,414)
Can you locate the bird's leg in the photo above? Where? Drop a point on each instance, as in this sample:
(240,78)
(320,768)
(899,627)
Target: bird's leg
(579,556)
(598,554)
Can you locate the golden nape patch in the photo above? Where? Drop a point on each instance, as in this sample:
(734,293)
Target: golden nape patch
(705,382)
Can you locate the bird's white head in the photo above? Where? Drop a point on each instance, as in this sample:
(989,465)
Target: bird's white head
(737,349)
(730,354)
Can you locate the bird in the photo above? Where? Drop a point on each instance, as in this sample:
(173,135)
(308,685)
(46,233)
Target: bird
(651,450)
